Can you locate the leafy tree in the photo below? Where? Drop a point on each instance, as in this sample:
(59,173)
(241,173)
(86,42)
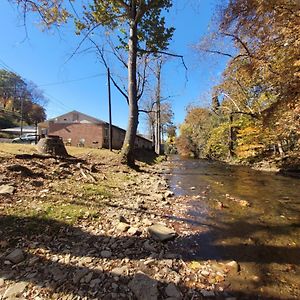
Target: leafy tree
(140,29)
(260,87)
(17,94)
(195,132)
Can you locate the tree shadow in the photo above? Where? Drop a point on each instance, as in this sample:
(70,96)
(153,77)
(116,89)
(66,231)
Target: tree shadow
(62,258)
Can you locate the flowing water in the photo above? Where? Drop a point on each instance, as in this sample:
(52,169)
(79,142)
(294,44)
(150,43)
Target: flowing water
(244,215)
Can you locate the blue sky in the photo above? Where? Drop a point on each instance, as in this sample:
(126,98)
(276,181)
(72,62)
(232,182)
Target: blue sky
(42,58)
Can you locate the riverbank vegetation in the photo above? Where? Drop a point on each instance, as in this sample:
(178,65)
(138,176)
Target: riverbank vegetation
(254,114)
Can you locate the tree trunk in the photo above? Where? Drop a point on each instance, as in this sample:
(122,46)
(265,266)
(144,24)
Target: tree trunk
(280,149)
(153,134)
(230,137)
(129,141)
(52,145)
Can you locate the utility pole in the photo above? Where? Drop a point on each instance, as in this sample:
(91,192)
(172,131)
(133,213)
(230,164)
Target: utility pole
(22,108)
(109,111)
(158,125)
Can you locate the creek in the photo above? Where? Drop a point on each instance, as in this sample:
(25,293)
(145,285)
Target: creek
(251,217)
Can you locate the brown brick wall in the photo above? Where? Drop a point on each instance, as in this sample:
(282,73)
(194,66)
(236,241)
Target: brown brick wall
(92,133)
(118,139)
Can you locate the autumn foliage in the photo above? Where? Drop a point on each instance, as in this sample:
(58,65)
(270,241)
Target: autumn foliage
(259,94)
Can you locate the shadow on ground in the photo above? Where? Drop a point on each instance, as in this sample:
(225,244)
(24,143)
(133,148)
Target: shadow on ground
(44,240)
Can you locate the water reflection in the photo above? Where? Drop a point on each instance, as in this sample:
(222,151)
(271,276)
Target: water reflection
(263,237)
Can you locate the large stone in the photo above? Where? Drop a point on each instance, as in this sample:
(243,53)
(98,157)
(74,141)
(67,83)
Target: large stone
(149,247)
(172,291)
(106,254)
(15,290)
(168,194)
(119,271)
(123,220)
(16,256)
(144,287)
(234,266)
(207,294)
(122,227)
(79,274)
(88,277)
(161,233)
(134,231)
(58,274)
(95,282)
(6,189)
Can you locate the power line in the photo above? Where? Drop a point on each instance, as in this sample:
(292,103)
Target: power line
(57,101)
(49,97)
(7,67)
(59,83)
(72,80)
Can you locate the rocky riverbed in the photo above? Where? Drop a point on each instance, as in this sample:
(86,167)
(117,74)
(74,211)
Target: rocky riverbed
(90,228)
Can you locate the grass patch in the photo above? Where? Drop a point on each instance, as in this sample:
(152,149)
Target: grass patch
(97,190)
(44,217)
(68,213)
(160,159)
(8,150)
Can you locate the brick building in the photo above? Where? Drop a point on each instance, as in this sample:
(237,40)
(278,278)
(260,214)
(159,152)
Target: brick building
(76,128)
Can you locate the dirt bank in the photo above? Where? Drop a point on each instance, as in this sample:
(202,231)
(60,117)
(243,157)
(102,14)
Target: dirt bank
(82,228)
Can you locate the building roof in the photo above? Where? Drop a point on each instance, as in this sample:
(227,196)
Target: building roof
(93,119)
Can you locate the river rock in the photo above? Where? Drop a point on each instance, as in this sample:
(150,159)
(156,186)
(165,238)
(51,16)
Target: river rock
(16,256)
(106,254)
(79,274)
(244,203)
(172,291)
(88,277)
(15,290)
(168,194)
(122,227)
(58,274)
(207,294)
(148,246)
(144,287)
(123,220)
(6,189)
(119,271)
(161,233)
(133,231)
(233,265)
(95,282)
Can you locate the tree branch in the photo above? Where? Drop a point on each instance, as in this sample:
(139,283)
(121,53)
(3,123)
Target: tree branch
(86,36)
(165,53)
(240,41)
(100,51)
(216,52)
